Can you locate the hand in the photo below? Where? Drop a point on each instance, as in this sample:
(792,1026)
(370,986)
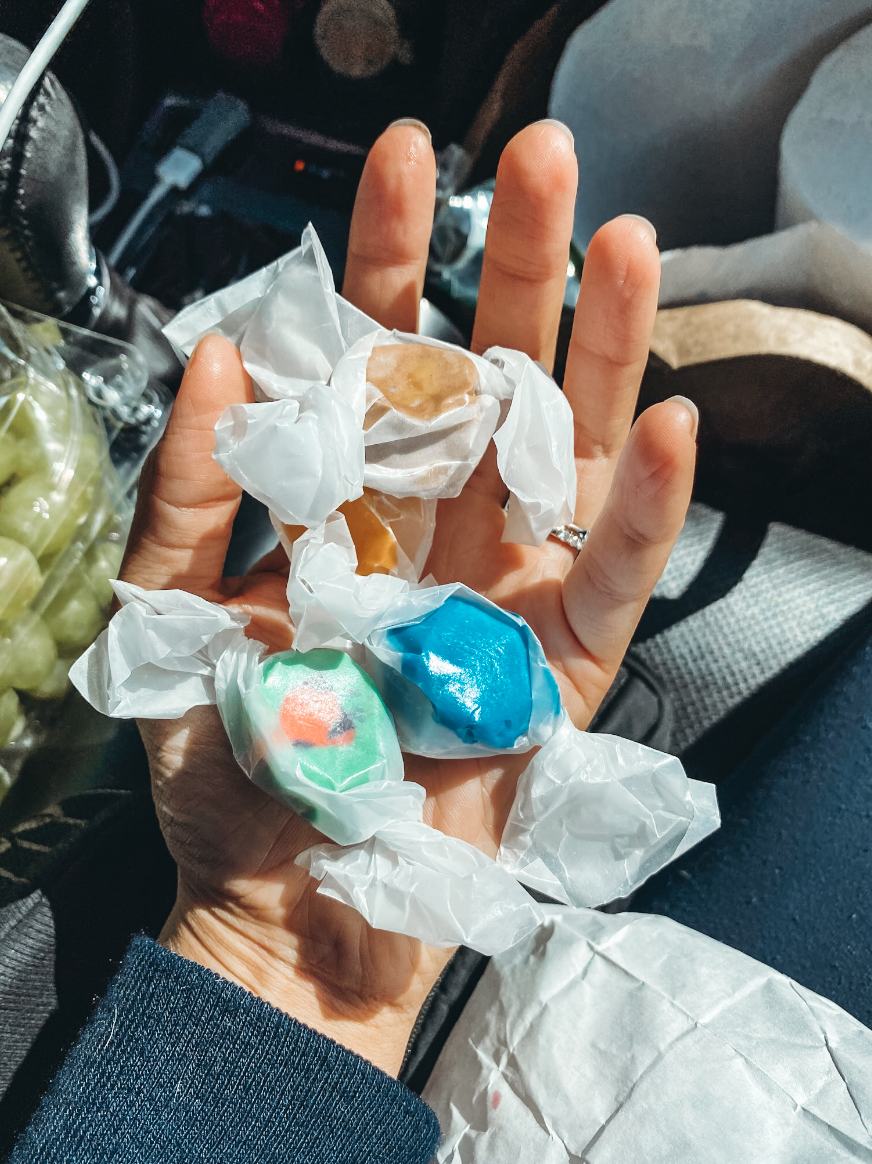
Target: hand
(243,908)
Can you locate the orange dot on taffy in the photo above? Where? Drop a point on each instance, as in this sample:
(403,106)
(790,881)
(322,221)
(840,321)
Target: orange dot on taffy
(313,717)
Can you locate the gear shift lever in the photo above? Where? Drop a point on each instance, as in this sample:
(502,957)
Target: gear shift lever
(47,262)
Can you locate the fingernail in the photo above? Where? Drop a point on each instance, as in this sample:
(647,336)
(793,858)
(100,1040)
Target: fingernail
(413,121)
(649,226)
(564,129)
(691,408)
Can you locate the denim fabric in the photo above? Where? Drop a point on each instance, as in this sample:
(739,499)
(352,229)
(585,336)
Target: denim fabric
(178,1064)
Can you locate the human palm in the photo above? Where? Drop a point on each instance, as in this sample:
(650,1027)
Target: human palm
(244,907)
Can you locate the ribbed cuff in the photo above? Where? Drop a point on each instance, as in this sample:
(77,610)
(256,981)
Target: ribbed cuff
(180,1064)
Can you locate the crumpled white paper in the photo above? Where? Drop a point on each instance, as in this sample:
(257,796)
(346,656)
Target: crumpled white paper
(307,348)
(595,816)
(332,605)
(617,1038)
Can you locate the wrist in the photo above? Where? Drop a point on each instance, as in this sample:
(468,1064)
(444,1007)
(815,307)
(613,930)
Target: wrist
(364,990)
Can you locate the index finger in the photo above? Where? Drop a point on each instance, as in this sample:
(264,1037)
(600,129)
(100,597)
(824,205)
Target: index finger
(186,504)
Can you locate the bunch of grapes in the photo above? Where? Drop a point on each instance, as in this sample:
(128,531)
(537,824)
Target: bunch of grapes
(59,538)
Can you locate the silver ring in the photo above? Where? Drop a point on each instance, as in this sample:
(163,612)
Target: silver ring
(571,535)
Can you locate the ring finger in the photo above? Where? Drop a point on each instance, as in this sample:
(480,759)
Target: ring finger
(608,351)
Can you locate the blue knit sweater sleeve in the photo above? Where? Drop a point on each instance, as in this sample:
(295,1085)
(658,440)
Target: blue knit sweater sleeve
(178,1064)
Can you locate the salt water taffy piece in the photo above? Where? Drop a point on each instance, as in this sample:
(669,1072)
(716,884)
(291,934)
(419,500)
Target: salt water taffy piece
(391,535)
(431,410)
(411,879)
(460,676)
(311,730)
(426,409)
(595,816)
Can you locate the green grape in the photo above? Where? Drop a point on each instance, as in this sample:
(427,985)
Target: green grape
(36,457)
(53,448)
(14,391)
(20,578)
(57,683)
(27,652)
(78,503)
(10,710)
(88,457)
(102,563)
(74,616)
(10,457)
(40,517)
(39,409)
(45,334)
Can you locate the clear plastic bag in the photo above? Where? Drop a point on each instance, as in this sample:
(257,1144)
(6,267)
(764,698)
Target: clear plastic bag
(77,417)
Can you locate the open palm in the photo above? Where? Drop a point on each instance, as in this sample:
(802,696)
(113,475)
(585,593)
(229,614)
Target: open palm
(244,908)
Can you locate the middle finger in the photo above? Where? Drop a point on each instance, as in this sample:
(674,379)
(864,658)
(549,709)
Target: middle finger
(523,277)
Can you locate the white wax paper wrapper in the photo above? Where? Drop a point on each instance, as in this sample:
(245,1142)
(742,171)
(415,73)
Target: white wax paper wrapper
(156,659)
(286,319)
(535,446)
(330,603)
(595,816)
(167,651)
(618,1038)
(411,879)
(301,457)
(295,333)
